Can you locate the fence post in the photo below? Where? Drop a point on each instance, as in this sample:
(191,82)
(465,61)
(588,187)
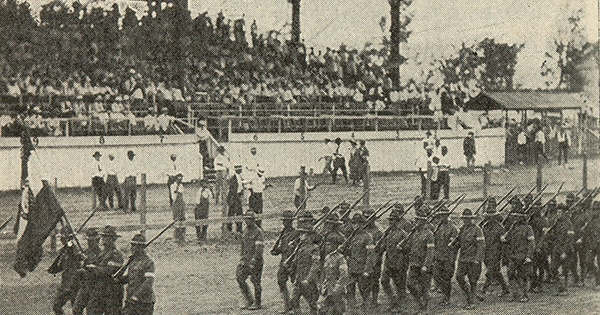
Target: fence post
(486,178)
(366,184)
(224,205)
(428,181)
(143,203)
(585,175)
(302,195)
(538,180)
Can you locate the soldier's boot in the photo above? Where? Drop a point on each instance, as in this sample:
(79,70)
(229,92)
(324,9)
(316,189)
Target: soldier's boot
(257,300)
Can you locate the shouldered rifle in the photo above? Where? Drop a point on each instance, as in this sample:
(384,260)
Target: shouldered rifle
(455,203)
(533,201)
(508,203)
(551,198)
(86,221)
(130,259)
(76,232)
(576,204)
(300,206)
(499,202)
(389,229)
(580,191)
(5,223)
(374,216)
(347,213)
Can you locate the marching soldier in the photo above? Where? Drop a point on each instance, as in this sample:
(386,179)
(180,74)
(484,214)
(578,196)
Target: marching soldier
(91,254)
(288,238)
(520,248)
(395,264)
(579,217)
(591,240)
(471,243)
(106,295)
(444,255)
(493,231)
(67,263)
(538,223)
(332,237)
(346,227)
(420,246)
(376,234)
(361,261)
(335,279)
(251,262)
(560,241)
(140,297)
(307,263)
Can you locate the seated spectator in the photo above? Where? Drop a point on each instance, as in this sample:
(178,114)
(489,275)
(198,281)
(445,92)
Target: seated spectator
(150,121)
(164,120)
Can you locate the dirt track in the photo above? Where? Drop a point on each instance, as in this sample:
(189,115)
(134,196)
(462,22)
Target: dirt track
(196,279)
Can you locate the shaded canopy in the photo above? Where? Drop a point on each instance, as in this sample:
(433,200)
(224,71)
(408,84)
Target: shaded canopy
(526,100)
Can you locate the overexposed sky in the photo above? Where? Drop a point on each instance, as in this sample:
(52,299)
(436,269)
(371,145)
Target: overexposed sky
(439,27)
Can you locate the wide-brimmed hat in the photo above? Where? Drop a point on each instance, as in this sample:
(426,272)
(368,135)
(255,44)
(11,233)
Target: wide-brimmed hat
(333,218)
(109,231)
(237,167)
(394,215)
(358,218)
(138,239)
(130,153)
(96,154)
(173,155)
(92,233)
(250,215)
(398,207)
(421,214)
(337,140)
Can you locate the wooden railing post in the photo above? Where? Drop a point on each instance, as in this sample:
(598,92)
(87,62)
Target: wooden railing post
(486,178)
(366,185)
(143,203)
(584,176)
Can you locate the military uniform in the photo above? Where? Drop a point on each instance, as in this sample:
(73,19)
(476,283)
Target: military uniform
(307,262)
(421,246)
(91,254)
(106,296)
(285,247)
(374,277)
(395,265)
(471,243)
(444,256)
(234,198)
(538,223)
(560,241)
(333,287)
(579,218)
(361,261)
(520,248)
(493,231)
(591,240)
(67,263)
(251,263)
(140,296)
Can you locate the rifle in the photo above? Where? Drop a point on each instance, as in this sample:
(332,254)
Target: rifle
(389,229)
(570,209)
(482,223)
(502,199)
(508,203)
(130,259)
(5,223)
(430,217)
(374,216)
(76,232)
(551,198)
(536,198)
(347,213)
(300,206)
(86,221)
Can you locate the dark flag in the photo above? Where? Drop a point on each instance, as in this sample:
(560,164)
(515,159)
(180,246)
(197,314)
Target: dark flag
(44,214)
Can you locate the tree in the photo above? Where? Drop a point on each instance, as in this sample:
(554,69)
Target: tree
(295,22)
(499,60)
(399,20)
(570,47)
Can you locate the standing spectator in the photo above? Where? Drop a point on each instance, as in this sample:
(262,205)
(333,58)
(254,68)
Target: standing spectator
(112,183)
(140,296)
(563,137)
(164,121)
(256,187)
(522,145)
(202,208)
(253,162)
(178,208)
(339,162)
(298,190)
(221,164)
(98,180)
(234,197)
(363,154)
(429,143)
(469,149)
(540,144)
(130,183)
(435,178)
(171,173)
(251,262)
(444,173)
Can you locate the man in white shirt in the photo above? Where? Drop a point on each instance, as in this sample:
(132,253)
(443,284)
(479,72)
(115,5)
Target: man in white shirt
(98,183)
(171,173)
(234,198)
(164,120)
(256,186)
(298,191)
(443,173)
(253,162)
(130,183)
(522,145)
(429,143)
(540,144)
(112,183)
(563,137)
(222,164)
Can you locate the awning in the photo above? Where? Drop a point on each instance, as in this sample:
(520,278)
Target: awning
(526,100)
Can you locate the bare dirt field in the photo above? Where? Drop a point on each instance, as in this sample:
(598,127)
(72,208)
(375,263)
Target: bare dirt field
(200,279)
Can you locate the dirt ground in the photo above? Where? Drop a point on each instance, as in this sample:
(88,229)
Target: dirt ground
(200,279)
